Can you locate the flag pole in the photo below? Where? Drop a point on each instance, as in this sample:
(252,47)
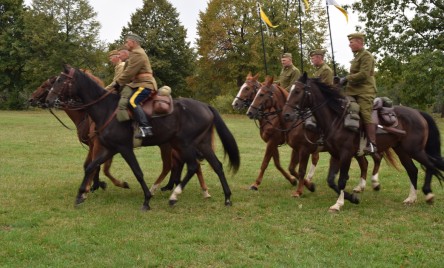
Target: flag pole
(300,37)
(331,41)
(262,36)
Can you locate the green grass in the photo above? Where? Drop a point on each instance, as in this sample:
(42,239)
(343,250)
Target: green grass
(41,169)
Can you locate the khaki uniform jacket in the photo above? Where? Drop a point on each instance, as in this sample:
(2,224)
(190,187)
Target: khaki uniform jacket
(135,73)
(325,74)
(289,75)
(361,79)
(118,70)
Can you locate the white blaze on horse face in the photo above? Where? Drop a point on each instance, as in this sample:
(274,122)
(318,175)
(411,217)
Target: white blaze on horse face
(236,99)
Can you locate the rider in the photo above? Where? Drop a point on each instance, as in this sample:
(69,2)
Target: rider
(360,84)
(114,58)
(289,73)
(138,82)
(323,71)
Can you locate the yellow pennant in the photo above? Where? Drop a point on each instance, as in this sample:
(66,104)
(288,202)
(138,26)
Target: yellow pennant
(266,19)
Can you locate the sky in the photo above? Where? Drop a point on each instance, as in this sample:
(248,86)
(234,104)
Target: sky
(115,14)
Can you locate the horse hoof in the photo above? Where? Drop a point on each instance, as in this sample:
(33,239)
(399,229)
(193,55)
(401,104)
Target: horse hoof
(311,187)
(377,188)
(333,210)
(296,194)
(125,185)
(172,202)
(228,203)
(166,188)
(145,208)
(354,199)
(430,198)
(79,200)
(103,185)
(253,187)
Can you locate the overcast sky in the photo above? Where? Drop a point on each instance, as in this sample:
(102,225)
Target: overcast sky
(114,14)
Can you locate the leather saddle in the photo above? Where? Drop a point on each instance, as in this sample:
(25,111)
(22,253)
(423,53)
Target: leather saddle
(158,105)
(384,116)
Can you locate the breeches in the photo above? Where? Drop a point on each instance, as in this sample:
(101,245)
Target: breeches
(139,95)
(125,94)
(365,101)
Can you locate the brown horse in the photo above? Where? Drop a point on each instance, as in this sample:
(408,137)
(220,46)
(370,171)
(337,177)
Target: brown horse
(421,141)
(86,134)
(270,131)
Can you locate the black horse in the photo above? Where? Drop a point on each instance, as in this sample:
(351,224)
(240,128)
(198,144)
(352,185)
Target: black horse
(421,141)
(188,129)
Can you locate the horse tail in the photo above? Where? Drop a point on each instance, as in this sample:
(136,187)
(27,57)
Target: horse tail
(391,159)
(433,145)
(227,139)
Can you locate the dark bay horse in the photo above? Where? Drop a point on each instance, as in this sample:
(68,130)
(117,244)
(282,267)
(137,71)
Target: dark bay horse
(188,129)
(421,141)
(269,130)
(86,135)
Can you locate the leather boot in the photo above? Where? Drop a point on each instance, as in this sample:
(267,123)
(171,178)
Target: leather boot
(370,129)
(145,128)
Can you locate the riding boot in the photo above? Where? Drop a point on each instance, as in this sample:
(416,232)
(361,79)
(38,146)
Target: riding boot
(145,128)
(370,129)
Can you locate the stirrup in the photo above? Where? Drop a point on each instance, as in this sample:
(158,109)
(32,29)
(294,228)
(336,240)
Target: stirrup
(144,132)
(370,149)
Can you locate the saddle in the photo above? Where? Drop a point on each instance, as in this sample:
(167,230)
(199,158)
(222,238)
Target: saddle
(158,105)
(384,116)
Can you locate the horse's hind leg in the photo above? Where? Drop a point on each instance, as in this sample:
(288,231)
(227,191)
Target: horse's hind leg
(166,154)
(377,158)
(304,156)
(412,172)
(363,166)
(116,182)
(192,167)
(202,183)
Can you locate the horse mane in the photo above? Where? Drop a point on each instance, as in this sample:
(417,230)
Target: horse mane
(334,97)
(93,77)
(86,80)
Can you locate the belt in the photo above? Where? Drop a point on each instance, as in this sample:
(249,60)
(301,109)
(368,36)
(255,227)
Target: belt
(144,75)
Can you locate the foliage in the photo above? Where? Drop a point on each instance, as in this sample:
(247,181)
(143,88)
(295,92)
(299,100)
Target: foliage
(12,54)
(407,37)
(170,55)
(230,43)
(40,227)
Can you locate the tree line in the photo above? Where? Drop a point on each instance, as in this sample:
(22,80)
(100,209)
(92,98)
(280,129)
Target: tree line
(36,40)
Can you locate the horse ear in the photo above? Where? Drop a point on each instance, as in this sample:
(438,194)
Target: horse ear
(256,76)
(304,77)
(66,68)
(268,80)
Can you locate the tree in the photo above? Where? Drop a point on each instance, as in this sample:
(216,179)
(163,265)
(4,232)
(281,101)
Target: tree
(11,54)
(170,55)
(230,44)
(404,34)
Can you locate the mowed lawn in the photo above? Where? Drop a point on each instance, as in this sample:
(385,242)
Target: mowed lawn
(41,167)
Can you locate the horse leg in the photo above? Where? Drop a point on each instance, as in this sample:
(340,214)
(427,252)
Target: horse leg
(264,165)
(363,166)
(166,155)
(412,172)
(192,166)
(314,163)
(116,182)
(332,172)
(176,172)
(342,183)
(377,158)
(304,156)
(426,188)
(130,158)
(94,177)
(294,161)
(202,183)
(277,163)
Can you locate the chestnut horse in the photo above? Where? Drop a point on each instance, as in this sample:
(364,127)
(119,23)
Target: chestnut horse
(421,141)
(270,131)
(189,129)
(86,135)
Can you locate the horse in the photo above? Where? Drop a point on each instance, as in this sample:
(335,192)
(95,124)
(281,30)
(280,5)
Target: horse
(86,135)
(271,97)
(421,141)
(188,129)
(269,130)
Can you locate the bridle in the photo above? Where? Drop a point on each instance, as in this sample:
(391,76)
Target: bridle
(247,102)
(304,112)
(261,107)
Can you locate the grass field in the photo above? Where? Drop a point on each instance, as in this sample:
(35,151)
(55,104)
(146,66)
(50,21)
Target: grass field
(41,169)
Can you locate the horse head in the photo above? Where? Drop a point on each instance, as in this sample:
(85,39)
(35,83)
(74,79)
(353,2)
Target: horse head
(246,92)
(62,89)
(38,97)
(298,99)
(269,100)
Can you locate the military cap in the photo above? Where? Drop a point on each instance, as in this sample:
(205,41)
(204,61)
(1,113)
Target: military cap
(317,52)
(356,36)
(287,55)
(134,37)
(122,47)
(113,53)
